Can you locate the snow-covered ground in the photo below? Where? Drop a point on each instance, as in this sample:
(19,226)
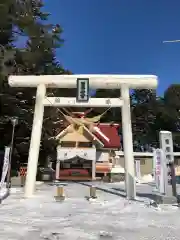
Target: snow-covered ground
(108,217)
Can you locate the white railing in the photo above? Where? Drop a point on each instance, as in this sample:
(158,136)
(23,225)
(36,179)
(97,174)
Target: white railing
(143,154)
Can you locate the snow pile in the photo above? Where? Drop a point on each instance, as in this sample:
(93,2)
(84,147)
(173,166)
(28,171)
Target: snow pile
(3,191)
(39,183)
(147,178)
(117,169)
(138,180)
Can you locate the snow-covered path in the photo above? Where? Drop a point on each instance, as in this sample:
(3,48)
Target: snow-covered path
(109,217)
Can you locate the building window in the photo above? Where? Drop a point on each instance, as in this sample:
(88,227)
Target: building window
(68,144)
(176,161)
(85,144)
(142,161)
(167,141)
(167,149)
(168,157)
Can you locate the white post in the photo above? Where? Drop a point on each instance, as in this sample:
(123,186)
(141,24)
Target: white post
(93,170)
(58,165)
(35,141)
(128,145)
(138,169)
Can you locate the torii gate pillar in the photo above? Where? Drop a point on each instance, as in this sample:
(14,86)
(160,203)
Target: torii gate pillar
(35,140)
(123,82)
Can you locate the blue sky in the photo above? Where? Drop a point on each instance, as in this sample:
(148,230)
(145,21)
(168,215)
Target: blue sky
(119,36)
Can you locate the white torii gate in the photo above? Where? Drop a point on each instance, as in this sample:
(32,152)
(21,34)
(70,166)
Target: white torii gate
(122,82)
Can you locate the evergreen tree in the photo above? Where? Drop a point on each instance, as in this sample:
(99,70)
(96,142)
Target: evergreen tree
(26,19)
(143,112)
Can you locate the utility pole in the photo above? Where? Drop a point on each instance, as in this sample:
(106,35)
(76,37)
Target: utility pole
(14,121)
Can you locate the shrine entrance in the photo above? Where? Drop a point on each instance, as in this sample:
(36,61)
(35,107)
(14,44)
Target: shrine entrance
(83,83)
(76,163)
(76,169)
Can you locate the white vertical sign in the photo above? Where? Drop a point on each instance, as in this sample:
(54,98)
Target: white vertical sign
(166,144)
(159,170)
(138,169)
(5,166)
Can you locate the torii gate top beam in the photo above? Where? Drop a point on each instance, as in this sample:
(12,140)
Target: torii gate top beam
(95,80)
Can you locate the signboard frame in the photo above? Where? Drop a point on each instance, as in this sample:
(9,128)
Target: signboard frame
(78,97)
